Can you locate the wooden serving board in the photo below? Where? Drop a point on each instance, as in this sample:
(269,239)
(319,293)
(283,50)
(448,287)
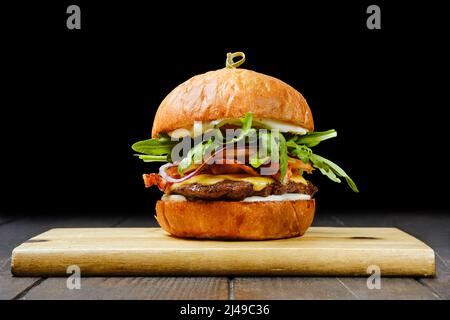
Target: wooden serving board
(321,251)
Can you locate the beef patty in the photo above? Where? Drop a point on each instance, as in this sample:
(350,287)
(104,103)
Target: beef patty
(238,190)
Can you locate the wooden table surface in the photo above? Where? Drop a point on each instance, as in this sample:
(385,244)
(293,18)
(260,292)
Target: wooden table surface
(432,228)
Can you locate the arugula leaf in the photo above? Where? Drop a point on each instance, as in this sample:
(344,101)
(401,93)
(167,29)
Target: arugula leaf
(150,158)
(198,152)
(247,121)
(296,145)
(300,151)
(314,138)
(192,156)
(325,166)
(332,170)
(162,145)
(246,128)
(265,141)
(283,156)
(256,162)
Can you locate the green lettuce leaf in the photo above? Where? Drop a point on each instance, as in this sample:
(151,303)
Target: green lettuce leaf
(283,156)
(294,145)
(150,158)
(325,166)
(256,162)
(162,145)
(246,128)
(332,170)
(198,152)
(195,154)
(314,138)
(300,151)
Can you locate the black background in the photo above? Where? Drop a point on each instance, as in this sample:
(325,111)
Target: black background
(73,101)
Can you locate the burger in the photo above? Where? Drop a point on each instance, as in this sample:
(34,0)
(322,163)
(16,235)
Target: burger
(237,150)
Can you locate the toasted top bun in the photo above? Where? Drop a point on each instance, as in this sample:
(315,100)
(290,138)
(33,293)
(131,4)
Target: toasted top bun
(230,94)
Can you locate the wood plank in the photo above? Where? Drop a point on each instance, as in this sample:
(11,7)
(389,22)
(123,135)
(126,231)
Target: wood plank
(326,220)
(290,288)
(138,221)
(280,289)
(391,288)
(150,251)
(21,230)
(11,287)
(329,288)
(13,234)
(433,229)
(8,218)
(17,231)
(103,288)
(441,284)
(154,288)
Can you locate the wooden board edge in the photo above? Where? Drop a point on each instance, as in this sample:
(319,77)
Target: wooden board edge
(20,267)
(13,262)
(432,273)
(14,252)
(20,270)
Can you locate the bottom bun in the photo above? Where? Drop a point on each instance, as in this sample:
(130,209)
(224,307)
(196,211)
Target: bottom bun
(235,220)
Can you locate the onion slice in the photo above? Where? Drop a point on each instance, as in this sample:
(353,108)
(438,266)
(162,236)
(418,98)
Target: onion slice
(162,173)
(219,152)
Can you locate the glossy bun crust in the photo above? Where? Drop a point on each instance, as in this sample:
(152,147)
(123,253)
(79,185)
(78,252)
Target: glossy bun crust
(231,93)
(226,220)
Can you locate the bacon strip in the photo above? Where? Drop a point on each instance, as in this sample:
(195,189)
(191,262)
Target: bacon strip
(299,164)
(151,179)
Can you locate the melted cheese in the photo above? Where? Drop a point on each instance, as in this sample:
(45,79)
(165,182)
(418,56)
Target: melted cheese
(258,183)
(298,179)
